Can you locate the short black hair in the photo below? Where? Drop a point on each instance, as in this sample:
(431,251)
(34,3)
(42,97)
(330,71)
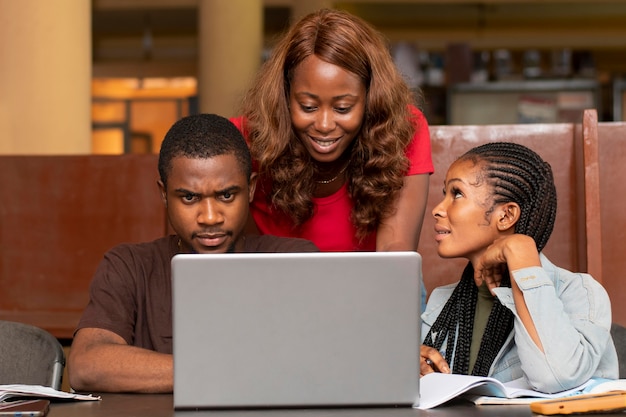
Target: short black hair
(203,136)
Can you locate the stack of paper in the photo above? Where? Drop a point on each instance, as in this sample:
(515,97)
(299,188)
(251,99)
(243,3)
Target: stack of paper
(437,388)
(39,391)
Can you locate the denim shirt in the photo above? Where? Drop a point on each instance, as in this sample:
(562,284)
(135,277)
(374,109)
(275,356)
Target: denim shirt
(572,315)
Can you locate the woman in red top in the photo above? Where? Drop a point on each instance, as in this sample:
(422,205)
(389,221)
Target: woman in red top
(343,154)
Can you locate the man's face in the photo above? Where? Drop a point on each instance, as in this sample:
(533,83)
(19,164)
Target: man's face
(207,202)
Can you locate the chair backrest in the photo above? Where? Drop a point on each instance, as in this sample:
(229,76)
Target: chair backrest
(605,188)
(75,208)
(593,221)
(30,355)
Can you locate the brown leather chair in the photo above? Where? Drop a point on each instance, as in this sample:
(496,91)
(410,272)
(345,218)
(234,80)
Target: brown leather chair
(604,154)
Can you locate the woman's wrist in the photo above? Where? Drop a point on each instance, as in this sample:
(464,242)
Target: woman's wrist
(521,252)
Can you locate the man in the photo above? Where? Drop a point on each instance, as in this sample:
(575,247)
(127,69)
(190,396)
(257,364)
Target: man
(123,342)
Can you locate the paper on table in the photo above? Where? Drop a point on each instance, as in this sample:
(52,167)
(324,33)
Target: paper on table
(437,388)
(21,390)
(593,386)
(486,400)
(601,385)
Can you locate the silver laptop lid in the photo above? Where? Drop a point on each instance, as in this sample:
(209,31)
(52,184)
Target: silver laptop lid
(296,329)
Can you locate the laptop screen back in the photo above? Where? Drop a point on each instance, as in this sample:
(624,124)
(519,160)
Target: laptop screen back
(296,329)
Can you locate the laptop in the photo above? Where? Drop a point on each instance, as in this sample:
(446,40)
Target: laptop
(323,329)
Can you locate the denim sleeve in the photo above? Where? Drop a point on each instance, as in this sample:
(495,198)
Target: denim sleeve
(572,314)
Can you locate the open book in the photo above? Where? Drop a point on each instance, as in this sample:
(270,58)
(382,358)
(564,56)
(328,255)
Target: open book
(437,388)
(39,391)
(593,386)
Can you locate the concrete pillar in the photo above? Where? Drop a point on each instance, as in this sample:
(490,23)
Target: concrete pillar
(230,41)
(45,77)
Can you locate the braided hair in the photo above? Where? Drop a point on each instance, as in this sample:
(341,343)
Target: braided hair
(517,174)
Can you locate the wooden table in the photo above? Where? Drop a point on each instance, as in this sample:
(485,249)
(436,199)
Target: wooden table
(138,405)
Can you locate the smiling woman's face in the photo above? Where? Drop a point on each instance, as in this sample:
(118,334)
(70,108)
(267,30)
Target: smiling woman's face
(327,105)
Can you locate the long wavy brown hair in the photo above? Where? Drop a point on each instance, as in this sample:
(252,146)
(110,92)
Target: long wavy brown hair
(378,162)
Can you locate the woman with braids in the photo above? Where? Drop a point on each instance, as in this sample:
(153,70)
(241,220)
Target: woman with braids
(513,313)
(343,154)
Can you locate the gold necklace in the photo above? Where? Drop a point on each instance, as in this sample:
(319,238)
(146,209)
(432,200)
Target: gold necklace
(341,171)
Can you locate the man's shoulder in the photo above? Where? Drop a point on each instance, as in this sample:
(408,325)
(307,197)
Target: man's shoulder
(157,248)
(270,243)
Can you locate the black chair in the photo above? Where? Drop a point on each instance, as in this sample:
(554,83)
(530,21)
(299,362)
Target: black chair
(30,355)
(618,333)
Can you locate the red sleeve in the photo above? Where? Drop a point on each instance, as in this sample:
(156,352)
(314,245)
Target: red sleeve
(418,151)
(238,121)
